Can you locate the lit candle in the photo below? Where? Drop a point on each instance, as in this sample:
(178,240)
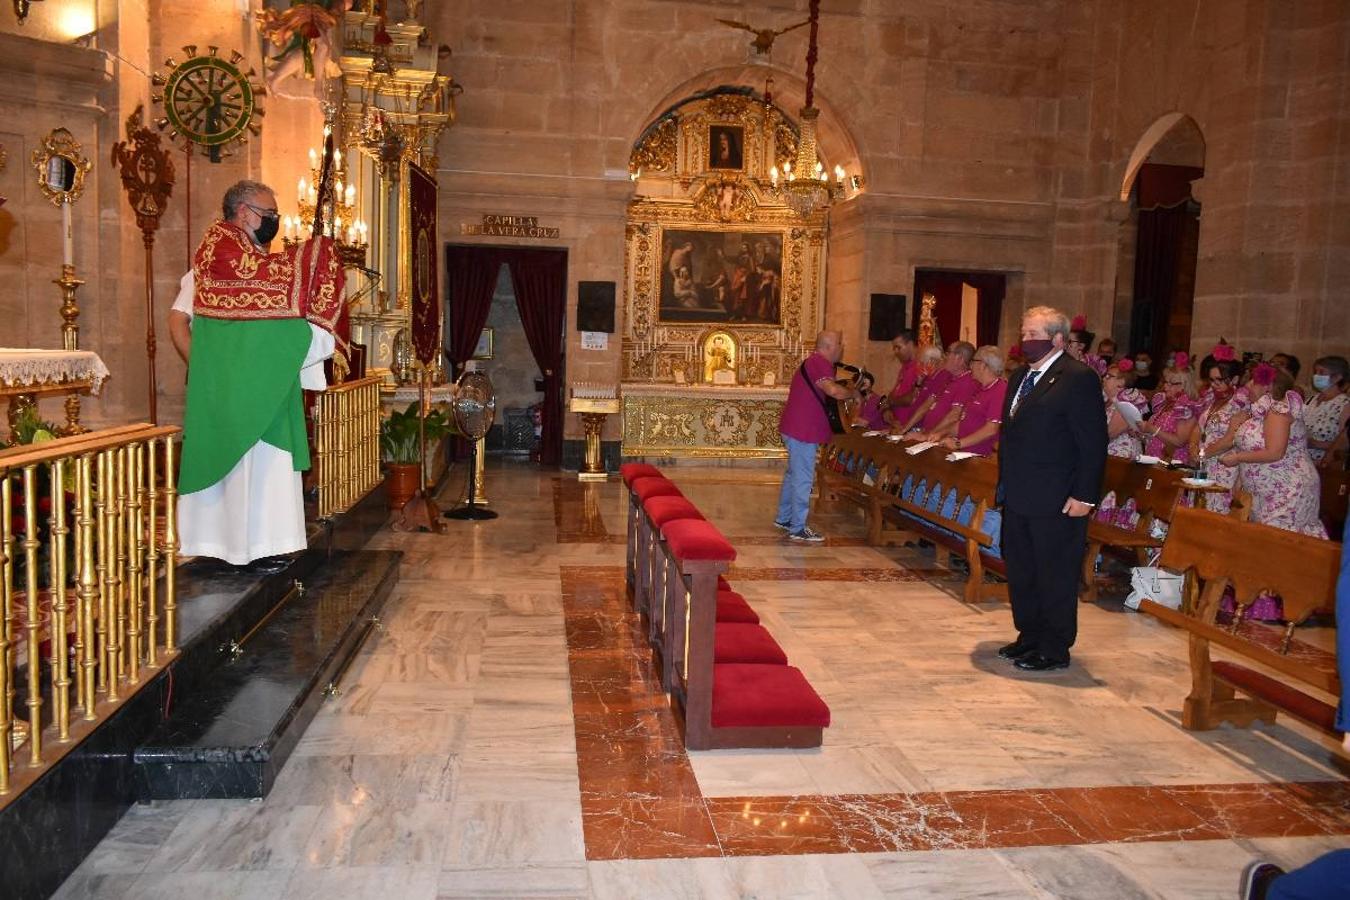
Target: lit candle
(67,236)
(773,175)
(839,174)
(351,194)
(313,158)
(302,190)
(337,158)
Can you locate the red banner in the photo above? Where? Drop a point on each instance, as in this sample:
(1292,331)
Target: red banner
(426,319)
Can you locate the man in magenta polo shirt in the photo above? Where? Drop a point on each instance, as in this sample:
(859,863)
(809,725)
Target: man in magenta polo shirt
(804,427)
(945,402)
(932,378)
(907,378)
(977,429)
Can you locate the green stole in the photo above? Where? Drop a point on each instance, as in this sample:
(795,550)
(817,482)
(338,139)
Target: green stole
(243,387)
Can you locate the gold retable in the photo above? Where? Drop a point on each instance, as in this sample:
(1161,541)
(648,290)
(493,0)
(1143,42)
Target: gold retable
(702,421)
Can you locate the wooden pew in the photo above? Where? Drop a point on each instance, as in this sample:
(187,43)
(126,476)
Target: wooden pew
(1155,491)
(873,472)
(1302,570)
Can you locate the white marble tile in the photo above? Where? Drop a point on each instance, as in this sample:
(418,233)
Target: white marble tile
(510,776)
(946,875)
(802,877)
(1076,872)
(362,883)
(136,837)
(209,885)
(559,881)
(221,835)
(663,879)
(381,835)
(485,834)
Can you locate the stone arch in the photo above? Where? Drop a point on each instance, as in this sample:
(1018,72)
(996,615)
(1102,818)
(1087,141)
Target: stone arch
(1176,135)
(834,139)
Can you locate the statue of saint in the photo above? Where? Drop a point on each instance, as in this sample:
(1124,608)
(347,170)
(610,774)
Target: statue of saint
(719,356)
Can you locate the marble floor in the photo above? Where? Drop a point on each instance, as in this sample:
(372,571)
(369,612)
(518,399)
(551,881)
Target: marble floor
(502,738)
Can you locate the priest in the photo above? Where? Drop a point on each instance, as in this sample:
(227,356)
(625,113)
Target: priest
(262,325)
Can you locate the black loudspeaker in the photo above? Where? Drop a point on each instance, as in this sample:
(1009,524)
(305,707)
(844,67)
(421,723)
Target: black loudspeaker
(595,306)
(887,317)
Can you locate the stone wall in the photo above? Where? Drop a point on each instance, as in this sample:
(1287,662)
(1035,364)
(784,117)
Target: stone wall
(991,134)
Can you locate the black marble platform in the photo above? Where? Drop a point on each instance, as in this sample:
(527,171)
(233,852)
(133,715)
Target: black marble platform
(230,736)
(50,828)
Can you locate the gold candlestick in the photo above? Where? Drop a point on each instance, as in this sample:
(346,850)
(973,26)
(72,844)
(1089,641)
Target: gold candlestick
(70,309)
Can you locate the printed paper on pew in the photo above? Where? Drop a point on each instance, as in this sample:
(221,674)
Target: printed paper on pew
(873,433)
(920,447)
(958,455)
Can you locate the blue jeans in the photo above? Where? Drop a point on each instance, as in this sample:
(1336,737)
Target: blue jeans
(794,500)
(1343,631)
(1325,878)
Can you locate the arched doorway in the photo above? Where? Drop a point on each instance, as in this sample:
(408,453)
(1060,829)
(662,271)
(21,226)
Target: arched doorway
(1162,236)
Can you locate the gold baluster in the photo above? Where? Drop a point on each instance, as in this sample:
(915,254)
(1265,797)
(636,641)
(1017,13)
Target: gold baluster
(120,569)
(6,595)
(320,447)
(103,546)
(10,548)
(170,549)
(34,612)
(135,552)
(60,632)
(152,557)
(88,590)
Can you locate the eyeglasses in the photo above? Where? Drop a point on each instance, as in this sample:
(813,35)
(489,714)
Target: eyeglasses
(262,211)
(1175,383)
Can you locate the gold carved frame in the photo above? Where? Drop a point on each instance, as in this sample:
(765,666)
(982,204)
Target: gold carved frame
(677,190)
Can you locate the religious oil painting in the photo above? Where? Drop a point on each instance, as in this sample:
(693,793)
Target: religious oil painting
(733,277)
(726,147)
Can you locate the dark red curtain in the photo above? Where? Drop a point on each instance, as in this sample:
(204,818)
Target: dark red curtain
(1164,259)
(947,288)
(470,278)
(539,278)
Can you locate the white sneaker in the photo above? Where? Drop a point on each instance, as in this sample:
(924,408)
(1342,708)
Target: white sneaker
(808,536)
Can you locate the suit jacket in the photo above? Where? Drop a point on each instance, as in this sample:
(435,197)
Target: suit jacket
(1054,446)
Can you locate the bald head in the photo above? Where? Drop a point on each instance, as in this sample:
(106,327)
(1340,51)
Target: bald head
(830,344)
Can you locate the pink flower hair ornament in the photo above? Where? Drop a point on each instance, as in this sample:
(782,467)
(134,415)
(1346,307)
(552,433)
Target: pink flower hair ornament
(1223,353)
(1079,323)
(1125,365)
(1181,359)
(1263,374)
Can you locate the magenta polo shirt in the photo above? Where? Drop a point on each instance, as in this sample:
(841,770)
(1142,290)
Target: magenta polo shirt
(871,411)
(985,407)
(905,382)
(803,416)
(957,393)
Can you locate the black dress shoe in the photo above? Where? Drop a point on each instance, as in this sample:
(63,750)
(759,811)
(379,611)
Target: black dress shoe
(1016,650)
(1038,662)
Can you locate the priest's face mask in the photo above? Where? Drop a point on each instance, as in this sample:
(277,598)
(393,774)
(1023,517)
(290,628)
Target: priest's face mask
(260,218)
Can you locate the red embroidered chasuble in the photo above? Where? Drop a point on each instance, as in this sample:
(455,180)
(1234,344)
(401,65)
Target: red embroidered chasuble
(237,281)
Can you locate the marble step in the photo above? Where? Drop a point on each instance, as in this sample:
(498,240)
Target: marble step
(231,734)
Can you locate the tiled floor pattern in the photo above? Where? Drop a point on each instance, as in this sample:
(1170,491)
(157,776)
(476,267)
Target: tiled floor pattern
(455,762)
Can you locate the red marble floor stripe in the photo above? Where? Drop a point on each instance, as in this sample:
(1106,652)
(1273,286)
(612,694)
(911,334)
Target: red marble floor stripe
(822,573)
(640,799)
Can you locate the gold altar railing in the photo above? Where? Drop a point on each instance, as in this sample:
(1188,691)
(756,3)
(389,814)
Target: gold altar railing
(347,443)
(88,539)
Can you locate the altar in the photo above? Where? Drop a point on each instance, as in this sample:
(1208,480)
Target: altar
(702,421)
(723,280)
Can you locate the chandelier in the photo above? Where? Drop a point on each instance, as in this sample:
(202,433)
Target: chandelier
(804,185)
(340,222)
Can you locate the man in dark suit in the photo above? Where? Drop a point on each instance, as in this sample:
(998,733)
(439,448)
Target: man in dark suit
(1051,458)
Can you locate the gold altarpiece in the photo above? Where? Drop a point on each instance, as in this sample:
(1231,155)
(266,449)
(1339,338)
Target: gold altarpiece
(723,282)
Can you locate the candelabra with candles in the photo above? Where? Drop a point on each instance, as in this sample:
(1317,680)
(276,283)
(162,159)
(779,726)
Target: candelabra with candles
(350,233)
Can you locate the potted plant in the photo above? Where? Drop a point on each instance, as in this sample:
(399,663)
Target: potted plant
(400,447)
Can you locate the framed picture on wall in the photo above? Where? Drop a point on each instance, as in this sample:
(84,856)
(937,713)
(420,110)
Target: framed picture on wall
(726,147)
(484,348)
(733,277)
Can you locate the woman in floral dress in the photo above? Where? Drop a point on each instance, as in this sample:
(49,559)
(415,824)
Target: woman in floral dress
(1167,433)
(1327,413)
(1270,450)
(1118,386)
(1217,426)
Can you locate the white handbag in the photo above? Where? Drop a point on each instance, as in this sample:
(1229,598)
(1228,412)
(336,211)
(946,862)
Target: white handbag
(1152,583)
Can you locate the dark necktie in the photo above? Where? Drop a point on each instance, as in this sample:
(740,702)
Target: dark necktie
(1024,388)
